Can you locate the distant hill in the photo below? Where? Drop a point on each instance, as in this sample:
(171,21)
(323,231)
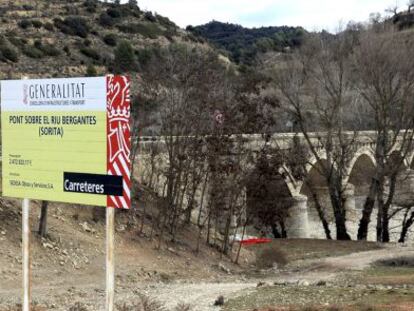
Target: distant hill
(243,44)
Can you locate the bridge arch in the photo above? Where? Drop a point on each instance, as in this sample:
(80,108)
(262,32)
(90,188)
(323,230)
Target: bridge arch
(363,158)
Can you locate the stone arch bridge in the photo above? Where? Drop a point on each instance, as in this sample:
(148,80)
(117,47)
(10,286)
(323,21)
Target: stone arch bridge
(303,221)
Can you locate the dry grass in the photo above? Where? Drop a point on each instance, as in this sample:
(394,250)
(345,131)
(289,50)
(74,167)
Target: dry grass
(271,256)
(314,298)
(142,304)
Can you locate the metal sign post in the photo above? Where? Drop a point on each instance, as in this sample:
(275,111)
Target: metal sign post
(26,254)
(110,262)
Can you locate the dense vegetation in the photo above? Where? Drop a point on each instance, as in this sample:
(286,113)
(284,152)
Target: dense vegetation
(243,44)
(70,38)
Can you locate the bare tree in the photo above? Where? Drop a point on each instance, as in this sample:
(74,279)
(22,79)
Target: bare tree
(185,83)
(315,88)
(385,79)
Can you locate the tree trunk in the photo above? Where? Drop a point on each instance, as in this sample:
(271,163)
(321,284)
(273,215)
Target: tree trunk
(406,226)
(387,205)
(321,213)
(340,220)
(43,220)
(380,200)
(385,225)
(367,211)
(283,228)
(341,232)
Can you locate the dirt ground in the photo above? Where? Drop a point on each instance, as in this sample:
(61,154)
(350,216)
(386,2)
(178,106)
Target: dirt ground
(68,267)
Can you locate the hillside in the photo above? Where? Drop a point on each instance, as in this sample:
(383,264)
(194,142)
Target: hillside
(71,38)
(243,44)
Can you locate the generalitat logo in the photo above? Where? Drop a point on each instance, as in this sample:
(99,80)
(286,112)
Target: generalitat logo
(25,94)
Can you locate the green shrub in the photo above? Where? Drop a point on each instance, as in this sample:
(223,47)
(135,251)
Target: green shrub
(91,71)
(28,7)
(24,24)
(17,42)
(150,17)
(49,26)
(165,21)
(9,53)
(66,50)
(151,31)
(32,52)
(37,24)
(105,20)
(110,39)
(90,52)
(114,13)
(144,55)
(73,25)
(50,50)
(90,5)
(125,59)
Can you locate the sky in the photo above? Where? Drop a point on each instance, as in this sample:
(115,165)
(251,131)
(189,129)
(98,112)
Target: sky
(311,14)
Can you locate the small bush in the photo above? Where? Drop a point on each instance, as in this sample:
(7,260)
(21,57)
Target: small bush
(110,39)
(28,7)
(114,13)
(24,24)
(151,31)
(150,17)
(90,52)
(50,50)
(91,71)
(37,24)
(9,53)
(125,57)
(47,49)
(270,256)
(32,52)
(49,26)
(144,56)
(144,304)
(66,50)
(17,42)
(71,10)
(90,6)
(78,307)
(73,25)
(165,21)
(183,307)
(397,262)
(105,20)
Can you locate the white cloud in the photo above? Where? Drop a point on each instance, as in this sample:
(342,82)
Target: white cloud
(315,14)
